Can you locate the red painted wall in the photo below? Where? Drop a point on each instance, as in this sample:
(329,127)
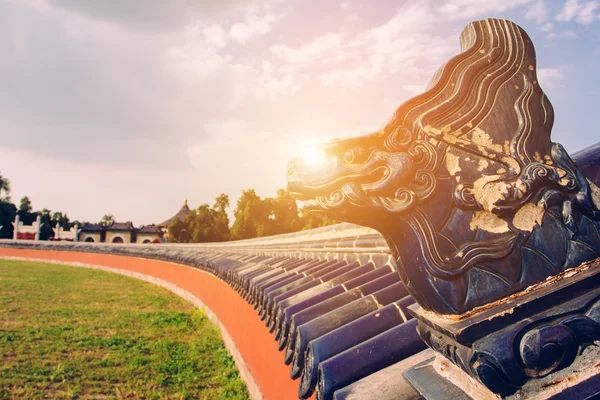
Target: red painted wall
(251,337)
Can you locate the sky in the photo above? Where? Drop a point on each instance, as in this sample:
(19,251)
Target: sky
(129,107)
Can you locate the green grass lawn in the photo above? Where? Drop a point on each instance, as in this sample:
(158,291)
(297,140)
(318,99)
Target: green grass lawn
(68,332)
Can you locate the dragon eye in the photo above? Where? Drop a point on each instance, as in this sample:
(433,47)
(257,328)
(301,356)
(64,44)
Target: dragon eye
(349,157)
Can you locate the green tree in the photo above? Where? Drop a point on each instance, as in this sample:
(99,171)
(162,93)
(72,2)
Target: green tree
(8,211)
(62,219)
(200,223)
(78,223)
(46,232)
(107,219)
(178,231)
(253,216)
(4,189)
(26,214)
(313,219)
(221,226)
(286,217)
(209,224)
(221,202)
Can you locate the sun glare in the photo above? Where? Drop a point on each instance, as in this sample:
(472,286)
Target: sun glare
(314,156)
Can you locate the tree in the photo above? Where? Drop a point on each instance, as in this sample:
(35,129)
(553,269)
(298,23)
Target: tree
(62,219)
(286,217)
(178,232)
(221,226)
(78,223)
(4,189)
(203,224)
(221,202)
(107,220)
(8,211)
(200,224)
(46,231)
(253,216)
(209,224)
(25,211)
(313,219)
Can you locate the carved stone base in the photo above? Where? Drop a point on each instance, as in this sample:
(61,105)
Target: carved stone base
(437,378)
(524,337)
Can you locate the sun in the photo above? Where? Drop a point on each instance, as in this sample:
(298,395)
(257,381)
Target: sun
(313,156)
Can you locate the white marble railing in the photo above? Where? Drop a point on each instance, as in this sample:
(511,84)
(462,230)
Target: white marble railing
(342,241)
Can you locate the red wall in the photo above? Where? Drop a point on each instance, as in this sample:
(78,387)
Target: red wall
(251,337)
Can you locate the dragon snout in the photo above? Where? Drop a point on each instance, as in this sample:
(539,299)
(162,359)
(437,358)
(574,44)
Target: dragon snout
(294,176)
(294,165)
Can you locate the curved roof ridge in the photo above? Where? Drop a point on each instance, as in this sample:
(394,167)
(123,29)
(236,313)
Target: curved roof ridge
(181,215)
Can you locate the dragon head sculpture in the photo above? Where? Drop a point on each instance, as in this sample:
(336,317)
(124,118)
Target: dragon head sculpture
(473,198)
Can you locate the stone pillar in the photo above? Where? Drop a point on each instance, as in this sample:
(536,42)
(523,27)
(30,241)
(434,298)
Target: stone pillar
(16,227)
(57,231)
(76,233)
(38,226)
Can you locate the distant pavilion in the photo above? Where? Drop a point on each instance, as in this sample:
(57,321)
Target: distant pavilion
(181,215)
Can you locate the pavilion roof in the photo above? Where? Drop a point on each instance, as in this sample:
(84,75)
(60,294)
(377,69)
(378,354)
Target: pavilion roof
(181,215)
(149,229)
(120,226)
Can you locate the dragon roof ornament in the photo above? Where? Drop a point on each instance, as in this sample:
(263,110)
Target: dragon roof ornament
(464,183)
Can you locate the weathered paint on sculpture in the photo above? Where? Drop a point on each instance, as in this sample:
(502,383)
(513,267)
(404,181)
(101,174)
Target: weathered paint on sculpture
(473,198)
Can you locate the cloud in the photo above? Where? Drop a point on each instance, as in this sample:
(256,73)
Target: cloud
(584,13)
(86,90)
(465,9)
(82,91)
(214,35)
(567,35)
(319,50)
(548,77)
(152,15)
(414,89)
(395,48)
(253,25)
(193,62)
(537,12)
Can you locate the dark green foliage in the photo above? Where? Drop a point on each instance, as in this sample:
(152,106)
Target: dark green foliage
(203,224)
(312,220)
(253,216)
(256,217)
(8,211)
(4,189)
(25,211)
(178,232)
(46,231)
(107,219)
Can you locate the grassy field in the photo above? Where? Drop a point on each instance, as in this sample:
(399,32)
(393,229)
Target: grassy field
(68,332)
